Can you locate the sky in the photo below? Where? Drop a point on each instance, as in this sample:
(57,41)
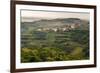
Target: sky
(29,15)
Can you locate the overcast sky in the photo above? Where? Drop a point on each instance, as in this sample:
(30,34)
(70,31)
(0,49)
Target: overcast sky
(31,15)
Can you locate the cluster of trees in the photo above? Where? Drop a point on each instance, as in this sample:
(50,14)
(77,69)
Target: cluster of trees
(50,54)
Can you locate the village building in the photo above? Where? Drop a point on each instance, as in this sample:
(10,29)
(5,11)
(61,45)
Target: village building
(64,28)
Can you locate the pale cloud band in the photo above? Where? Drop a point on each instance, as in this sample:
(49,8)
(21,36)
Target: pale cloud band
(29,15)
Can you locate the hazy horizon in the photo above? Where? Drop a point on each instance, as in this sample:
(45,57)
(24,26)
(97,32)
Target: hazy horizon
(29,16)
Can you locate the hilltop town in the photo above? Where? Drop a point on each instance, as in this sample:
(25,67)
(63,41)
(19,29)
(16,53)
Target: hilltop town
(67,27)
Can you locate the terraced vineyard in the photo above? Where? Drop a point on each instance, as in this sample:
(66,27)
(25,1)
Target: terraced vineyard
(55,46)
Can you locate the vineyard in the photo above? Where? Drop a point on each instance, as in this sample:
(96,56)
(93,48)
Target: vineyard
(41,46)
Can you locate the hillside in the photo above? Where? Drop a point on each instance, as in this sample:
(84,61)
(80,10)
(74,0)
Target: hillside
(54,40)
(55,23)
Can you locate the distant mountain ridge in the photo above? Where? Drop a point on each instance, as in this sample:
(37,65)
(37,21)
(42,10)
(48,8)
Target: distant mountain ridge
(56,23)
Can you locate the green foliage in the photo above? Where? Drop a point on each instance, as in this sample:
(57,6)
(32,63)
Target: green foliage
(54,46)
(50,54)
(77,53)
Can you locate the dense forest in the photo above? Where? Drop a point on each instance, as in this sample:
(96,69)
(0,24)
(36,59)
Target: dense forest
(50,45)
